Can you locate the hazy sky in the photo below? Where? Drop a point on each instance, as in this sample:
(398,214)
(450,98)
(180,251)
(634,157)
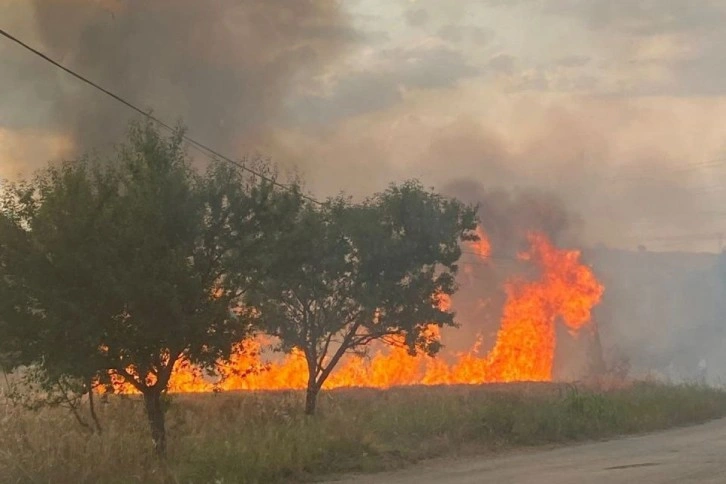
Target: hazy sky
(617,106)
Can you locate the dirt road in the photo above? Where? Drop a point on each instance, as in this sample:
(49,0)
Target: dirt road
(694,454)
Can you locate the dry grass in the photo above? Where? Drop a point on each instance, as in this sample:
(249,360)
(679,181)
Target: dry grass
(261,438)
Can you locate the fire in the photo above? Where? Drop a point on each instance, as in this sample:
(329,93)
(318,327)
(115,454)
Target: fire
(481,247)
(524,350)
(525,344)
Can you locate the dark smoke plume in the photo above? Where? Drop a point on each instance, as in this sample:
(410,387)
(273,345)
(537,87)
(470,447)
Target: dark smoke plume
(509,215)
(224,67)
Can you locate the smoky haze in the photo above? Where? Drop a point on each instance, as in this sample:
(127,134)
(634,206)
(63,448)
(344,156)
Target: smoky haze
(355,96)
(223,68)
(509,215)
(611,134)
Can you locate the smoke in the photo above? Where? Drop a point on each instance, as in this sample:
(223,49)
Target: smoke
(225,68)
(508,216)
(599,145)
(663,312)
(306,84)
(631,169)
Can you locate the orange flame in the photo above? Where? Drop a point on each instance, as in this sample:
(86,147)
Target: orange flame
(525,344)
(524,349)
(481,247)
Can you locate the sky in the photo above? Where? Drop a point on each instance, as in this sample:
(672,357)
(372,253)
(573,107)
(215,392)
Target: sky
(615,107)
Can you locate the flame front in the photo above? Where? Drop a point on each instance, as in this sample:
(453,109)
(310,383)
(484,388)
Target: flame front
(524,349)
(525,346)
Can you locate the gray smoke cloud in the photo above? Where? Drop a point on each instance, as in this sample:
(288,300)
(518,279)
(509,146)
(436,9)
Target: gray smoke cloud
(308,84)
(508,216)
(597,138)
(224,68)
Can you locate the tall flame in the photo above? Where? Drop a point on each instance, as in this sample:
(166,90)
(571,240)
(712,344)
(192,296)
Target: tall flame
(524,349)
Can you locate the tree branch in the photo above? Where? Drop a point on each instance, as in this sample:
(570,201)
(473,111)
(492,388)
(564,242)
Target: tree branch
(344,346)
(164,375)
(92,407)
(72,406)
(128,377)
(323,353)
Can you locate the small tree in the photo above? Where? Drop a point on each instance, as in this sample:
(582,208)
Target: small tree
(125,265)
(13,302)
(345,275)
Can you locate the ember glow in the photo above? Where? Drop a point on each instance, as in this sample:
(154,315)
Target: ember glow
(566,290)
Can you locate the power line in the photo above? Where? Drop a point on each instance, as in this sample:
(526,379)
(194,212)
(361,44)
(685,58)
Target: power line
(600,266)
(212,153)
(204,149)
(485,259)
(201,147)
(713,163)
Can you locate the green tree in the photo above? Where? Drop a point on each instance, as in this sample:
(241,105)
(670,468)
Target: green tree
(13,302)
(125,265)
(345,275)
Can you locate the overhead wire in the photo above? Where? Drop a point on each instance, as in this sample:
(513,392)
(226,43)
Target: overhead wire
(199,146)
(212,153)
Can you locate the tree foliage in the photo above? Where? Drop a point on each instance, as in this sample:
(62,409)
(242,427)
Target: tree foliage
(123,267)
(346,274)
(115,270)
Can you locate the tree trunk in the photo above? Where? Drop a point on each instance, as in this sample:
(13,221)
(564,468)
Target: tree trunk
(311,397)
(92,409)
(155,414)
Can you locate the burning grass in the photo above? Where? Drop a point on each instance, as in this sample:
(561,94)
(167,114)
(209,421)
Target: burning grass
(566,290)
(263,437)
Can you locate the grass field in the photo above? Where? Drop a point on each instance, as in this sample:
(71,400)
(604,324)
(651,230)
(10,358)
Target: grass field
(261,438)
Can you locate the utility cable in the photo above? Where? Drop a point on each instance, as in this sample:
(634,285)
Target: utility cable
(204,149)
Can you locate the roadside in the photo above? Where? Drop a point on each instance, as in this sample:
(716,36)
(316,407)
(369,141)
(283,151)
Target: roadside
(263,437)
(693,454)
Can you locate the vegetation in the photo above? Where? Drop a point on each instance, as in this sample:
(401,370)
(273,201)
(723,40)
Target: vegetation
(113,271)
(121,268)
(345,275)
(266,438)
